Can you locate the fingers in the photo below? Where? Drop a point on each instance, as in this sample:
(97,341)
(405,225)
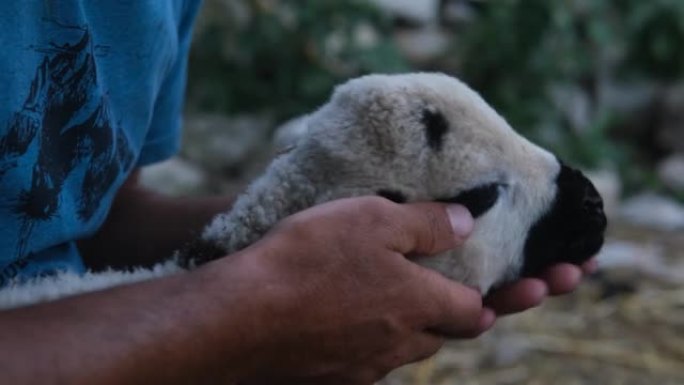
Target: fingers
(455,310)
(562,278)
(589,267)
(530,292)
(429,228)
(485,322)
(516,297)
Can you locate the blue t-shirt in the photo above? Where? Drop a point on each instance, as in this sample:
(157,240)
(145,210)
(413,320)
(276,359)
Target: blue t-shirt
(90,90)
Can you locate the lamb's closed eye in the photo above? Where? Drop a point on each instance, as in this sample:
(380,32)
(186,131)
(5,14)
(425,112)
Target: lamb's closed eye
(477,200)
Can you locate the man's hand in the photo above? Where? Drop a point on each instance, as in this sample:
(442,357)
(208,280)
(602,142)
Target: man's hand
(350,306)
(328,296)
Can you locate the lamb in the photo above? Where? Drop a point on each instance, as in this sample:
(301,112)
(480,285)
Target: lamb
(410,137)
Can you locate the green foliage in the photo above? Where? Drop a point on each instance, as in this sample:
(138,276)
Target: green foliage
(536,45)
(656,32)
(285,57)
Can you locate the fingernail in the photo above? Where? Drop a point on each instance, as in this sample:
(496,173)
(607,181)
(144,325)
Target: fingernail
(487,318)
(461,220)
(538,290)
(590,267)
(575,276)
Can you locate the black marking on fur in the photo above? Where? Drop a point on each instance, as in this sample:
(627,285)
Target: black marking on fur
(477,200)
(436,127)
(199,252)
(393,195)
(572,231)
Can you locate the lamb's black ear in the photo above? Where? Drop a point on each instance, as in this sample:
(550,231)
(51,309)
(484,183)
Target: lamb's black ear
(436,126)
(477,200)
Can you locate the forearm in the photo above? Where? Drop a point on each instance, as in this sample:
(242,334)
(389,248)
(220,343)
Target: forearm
(145,227)
(191,328)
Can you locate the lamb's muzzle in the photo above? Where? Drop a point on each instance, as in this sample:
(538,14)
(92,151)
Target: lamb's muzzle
(572,231)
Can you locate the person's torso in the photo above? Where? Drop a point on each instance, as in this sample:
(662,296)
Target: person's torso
(79,83)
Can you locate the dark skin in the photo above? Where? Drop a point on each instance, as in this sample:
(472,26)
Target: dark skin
(327,296)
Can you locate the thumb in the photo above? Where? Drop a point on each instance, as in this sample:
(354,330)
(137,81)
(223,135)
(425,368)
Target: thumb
(430,228)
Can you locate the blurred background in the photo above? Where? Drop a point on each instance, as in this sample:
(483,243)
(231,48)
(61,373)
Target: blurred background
(599,82)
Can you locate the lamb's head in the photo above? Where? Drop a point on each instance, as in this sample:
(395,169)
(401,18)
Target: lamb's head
(428,137)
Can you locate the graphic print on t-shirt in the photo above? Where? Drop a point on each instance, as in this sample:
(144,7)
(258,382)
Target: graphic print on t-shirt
(66,124)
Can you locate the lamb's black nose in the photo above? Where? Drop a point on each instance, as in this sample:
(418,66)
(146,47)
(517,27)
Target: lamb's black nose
(572,230)
(592,203)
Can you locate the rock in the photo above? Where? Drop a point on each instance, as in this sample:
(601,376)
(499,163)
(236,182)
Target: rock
(652,210)
(422,45)
(631,261)
(366,36)
(174,177)
(510,349)
(218,143)
(618,254)
(671,172)
(417,11)
(458,12)
(628,97)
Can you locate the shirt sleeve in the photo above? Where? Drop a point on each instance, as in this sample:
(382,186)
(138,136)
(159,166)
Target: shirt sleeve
(163,139)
